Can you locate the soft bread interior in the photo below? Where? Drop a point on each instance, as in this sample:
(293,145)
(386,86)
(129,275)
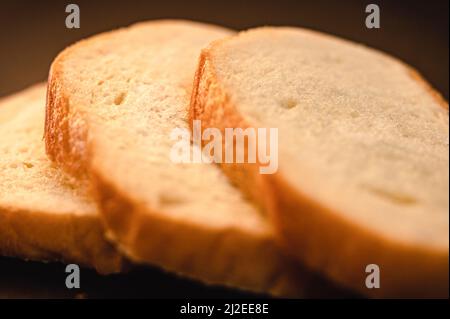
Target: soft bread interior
(359,132)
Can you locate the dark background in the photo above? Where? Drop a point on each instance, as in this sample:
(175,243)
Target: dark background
(33,32)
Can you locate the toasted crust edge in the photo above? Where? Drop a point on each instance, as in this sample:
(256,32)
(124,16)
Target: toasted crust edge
(426,271)
(31,235)
(227,256)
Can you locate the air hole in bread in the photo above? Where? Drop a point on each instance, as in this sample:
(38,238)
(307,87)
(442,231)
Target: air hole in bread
(28,165)
(395,197)
(142,132)
(354,114)
(100,82)
(119,98)
(170,200)
(289,103)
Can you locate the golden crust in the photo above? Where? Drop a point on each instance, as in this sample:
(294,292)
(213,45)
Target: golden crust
(226,256)
(63,125)
(320,236)
(79,239)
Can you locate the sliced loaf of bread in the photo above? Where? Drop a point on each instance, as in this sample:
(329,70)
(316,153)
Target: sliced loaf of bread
(363,146)
(113,102)
(44,214)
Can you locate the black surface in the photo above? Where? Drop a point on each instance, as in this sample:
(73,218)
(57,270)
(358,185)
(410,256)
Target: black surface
(27,279)
(33,32)
(21,279)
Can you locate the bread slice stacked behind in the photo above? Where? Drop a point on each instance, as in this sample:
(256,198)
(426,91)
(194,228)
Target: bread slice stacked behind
(363,153)
(44,215)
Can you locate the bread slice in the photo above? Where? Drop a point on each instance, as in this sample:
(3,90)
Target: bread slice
(363,151)
(44,215)
(113,102)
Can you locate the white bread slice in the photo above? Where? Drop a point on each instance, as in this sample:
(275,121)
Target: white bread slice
(113,101)
(363,153)
(44,215)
